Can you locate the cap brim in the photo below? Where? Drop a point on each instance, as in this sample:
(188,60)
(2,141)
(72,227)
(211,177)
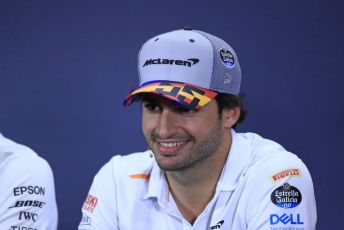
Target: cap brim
(187,95)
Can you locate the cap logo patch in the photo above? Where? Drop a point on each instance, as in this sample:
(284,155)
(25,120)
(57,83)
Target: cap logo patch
(164,61)
(227,57)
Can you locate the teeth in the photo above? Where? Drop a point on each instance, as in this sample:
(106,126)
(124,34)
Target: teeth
(171,144)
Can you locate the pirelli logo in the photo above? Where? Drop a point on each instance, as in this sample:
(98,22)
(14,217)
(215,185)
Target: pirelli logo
(286,173)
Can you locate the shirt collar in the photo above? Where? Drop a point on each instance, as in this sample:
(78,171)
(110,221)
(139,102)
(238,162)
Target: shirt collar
(158,186)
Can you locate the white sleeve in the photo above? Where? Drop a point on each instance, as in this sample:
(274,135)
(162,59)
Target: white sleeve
(99,211)
(27,193)
(282,197)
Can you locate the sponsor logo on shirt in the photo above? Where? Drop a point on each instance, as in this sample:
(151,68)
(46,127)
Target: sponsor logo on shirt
(286,196)
(28,203)
(85,220)
(290,219)
(218,225)
(30,189)
(90,203)
(22,228)
(28,216)
(279,228)
(286,173)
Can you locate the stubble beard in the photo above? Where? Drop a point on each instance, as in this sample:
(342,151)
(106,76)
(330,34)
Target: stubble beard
(198,156)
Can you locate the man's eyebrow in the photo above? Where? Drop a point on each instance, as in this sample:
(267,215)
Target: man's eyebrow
(148,99)
(145,97)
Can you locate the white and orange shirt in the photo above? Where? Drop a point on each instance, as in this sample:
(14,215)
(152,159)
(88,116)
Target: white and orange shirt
(27,193)
(262,186)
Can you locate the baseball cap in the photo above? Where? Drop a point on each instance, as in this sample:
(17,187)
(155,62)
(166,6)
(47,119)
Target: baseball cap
(187,66)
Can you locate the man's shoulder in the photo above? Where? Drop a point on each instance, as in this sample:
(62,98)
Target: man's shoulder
(271,161)
(15,157)
(22,169)
(273,181)
(133,165)
(267,151)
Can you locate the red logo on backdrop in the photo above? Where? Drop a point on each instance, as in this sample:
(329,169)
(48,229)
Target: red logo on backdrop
(90,203)
(286,173)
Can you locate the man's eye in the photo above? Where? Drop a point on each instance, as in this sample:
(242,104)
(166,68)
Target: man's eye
(188,111)
(152,107)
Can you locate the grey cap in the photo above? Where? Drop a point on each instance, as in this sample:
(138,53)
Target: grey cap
(191,58)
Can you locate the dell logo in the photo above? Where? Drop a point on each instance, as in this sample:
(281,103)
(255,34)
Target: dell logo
(285,219)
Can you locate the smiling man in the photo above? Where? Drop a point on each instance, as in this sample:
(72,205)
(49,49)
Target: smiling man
(198,173)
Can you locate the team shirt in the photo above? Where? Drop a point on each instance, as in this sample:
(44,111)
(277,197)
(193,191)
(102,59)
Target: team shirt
(262,186)
(27,193)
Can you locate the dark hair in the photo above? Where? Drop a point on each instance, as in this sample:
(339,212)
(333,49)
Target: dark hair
(231,101)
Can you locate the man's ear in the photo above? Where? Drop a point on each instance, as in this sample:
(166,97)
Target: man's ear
(230,116)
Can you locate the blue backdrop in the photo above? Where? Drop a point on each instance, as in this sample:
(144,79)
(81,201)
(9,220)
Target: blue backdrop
(65,67)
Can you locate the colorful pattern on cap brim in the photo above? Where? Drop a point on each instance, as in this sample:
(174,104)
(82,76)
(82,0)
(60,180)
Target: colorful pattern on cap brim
(187,95)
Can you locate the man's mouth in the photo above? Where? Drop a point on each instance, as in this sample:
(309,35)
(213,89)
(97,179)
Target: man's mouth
(171,147)
(172,144)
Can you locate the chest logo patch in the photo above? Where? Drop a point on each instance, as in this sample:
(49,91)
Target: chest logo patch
(286,196)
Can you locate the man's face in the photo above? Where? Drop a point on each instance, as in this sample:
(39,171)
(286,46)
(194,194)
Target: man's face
(179,138)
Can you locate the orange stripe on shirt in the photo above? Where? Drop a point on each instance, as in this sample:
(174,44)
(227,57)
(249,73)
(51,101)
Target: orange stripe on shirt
(140,176)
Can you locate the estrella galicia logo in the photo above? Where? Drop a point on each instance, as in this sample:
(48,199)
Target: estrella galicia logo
(227,57)
(164,61)
(286,196)
(286,219)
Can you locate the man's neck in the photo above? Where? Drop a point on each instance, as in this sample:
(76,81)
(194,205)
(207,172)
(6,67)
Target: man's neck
(193,188)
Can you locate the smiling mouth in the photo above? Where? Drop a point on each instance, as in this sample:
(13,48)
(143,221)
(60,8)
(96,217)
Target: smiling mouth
(172,144)
(171,147)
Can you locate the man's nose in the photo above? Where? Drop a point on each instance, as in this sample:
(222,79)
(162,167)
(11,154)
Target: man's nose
(167,124)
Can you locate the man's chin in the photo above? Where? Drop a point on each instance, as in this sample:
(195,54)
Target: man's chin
(170,166)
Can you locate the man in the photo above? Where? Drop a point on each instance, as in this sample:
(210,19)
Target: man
(27,193)
(198,172)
